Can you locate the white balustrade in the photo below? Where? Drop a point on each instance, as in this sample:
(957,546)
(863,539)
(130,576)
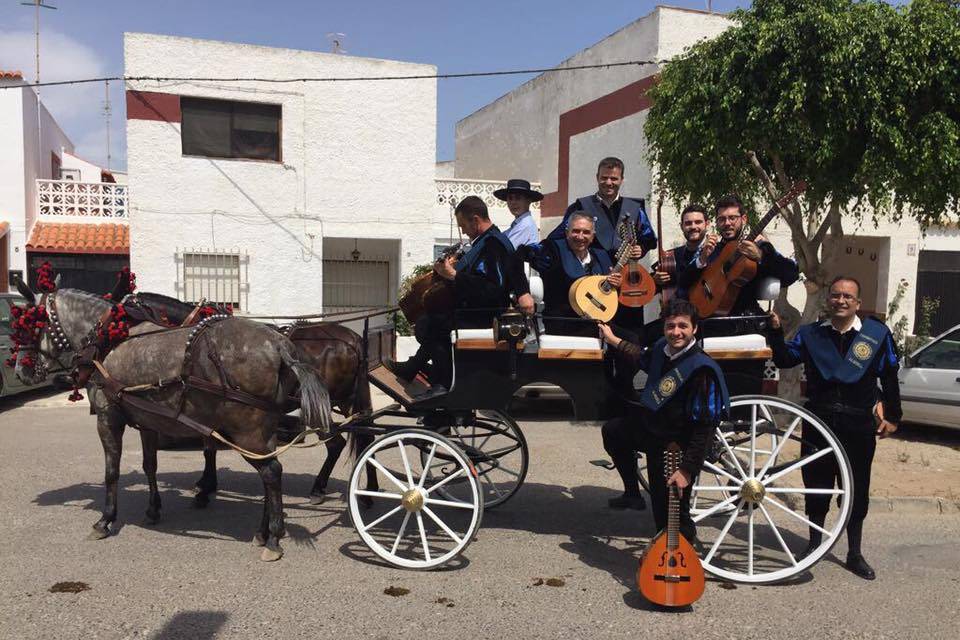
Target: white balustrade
(452,191)
(70,199)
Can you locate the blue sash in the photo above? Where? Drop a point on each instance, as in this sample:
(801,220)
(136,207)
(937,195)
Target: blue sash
(661,387)
(468,261)
(599,261)
(606,233)
(850,367)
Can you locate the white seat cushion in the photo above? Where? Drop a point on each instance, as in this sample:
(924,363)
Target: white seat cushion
(471,334)
(569,342)
(748,342)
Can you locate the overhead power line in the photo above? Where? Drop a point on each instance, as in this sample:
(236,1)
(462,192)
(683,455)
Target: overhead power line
(432,76)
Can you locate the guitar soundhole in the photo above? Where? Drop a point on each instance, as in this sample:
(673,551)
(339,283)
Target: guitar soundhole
(673,561)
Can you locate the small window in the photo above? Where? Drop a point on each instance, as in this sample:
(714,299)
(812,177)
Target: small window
(224,129)
(214,277)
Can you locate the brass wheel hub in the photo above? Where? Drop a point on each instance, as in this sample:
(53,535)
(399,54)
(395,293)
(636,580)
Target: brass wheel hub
(752,491)
(412,500)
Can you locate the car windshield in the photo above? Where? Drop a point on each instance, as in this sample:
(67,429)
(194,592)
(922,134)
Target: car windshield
(5,313)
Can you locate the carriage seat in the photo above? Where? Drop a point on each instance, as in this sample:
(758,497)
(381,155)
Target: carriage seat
(477,340)
(557,347)
(751,346)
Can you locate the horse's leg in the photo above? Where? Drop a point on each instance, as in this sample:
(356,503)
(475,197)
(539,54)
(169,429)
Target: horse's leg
(110,425)
(271,472)
(335,447)
(148,439)
(207,484)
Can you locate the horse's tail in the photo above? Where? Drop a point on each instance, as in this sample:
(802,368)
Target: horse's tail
(315,411)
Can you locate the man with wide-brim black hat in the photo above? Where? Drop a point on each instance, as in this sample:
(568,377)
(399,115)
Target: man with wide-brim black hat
(519,195)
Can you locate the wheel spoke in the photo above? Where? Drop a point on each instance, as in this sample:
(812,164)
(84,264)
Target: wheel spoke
(382,469)
(721,536)
(753,441)
(423,537)
(715,508)
(749,538)
(796,515)
(736,462)
(455,474)
(776,533)
(371,525)
(426,466)
(831,492)
(776,451)
(710,487)
(716,469)
(493,486)
(796,465)
(450,503)
(378,494)
(403,528)
(406,462)
(442,525)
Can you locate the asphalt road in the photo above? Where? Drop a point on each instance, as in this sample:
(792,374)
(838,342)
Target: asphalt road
(196,575)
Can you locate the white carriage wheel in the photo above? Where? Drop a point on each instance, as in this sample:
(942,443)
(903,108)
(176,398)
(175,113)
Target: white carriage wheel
(498,449)
(764,504)
(399,534)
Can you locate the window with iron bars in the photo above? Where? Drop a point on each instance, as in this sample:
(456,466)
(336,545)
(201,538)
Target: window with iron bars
(214,276)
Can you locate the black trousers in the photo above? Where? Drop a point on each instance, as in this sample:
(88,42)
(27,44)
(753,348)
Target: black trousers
(433,334)
(857,436)
(622,438)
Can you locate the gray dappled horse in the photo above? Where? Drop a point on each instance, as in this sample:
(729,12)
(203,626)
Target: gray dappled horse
(335,351)
(252,358)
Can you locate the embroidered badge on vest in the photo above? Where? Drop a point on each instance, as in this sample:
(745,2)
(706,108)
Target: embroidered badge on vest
(668,386)
(862,351)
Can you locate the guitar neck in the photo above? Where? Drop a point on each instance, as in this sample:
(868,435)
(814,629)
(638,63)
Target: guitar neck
(764,221)
(671,464)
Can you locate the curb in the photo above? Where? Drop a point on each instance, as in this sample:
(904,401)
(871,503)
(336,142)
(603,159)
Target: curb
(915,505)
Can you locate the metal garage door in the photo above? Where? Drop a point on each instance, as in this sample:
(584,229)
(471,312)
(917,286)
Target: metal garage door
(938,278)
(349,284)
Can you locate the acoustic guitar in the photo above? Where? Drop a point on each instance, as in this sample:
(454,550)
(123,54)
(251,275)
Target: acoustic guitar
(720,282)
(637,287)
(595,298)
(666,261)
(670,573)
(429,293)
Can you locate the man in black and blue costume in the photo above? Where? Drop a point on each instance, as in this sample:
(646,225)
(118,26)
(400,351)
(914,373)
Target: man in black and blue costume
(562,261)
(683,401)
(850,365)
(483,280)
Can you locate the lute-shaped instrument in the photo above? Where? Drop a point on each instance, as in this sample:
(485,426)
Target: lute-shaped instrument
(670,573)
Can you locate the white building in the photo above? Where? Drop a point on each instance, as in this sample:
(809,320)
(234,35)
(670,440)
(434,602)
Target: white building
(277,197)
(554,128)
(53,205)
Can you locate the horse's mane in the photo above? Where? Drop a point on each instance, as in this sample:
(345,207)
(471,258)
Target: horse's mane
(80,293)
(159,298)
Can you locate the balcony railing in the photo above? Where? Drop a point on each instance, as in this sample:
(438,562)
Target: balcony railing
(452,191)
(83,201)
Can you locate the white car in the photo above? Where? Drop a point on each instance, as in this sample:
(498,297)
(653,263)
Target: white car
(930,382)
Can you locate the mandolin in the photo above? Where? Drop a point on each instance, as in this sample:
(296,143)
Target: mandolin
(670,573)
(719,284)
(637,287)
(595,298)
(430,293)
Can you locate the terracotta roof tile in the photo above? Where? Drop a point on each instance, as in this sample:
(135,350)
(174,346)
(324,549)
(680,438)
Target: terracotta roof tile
(11,75)
(63,237)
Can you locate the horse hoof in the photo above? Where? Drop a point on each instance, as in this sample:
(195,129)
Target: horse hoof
(317,498)
(98,534)
(271,555)
(259,540)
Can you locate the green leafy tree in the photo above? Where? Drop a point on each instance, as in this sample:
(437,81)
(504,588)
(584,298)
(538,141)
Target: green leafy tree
(858,98)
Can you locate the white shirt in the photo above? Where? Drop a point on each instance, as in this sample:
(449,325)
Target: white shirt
(856,324)
(673,356)
(585,260)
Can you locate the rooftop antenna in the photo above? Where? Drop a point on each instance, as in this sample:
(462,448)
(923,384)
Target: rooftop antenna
(336,42)
(106,114)
(38,4)
(709,6)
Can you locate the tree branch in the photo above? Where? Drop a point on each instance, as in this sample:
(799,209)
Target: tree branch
(831,221)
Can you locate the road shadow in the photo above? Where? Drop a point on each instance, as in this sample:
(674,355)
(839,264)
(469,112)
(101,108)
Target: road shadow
(192,625)
(913,432)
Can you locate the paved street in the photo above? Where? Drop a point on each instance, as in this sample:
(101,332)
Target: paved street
(196,575)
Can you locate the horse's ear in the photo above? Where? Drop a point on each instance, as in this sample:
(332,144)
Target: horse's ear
(120,290)
(56,282)
(26,291)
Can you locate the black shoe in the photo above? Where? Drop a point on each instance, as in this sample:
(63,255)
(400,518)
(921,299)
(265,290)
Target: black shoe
(858,566)
(626,501)
(435,391)
(810,549)
(406,371)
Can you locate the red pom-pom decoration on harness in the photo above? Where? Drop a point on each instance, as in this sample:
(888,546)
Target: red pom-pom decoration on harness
(46,281)
(27,324)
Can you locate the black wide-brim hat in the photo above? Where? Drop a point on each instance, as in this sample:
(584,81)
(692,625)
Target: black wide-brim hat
(516,185)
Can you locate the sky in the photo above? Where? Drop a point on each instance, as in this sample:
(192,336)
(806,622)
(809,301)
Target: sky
(84,38)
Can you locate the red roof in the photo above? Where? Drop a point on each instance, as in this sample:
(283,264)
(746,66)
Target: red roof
(11,75)
(64,237)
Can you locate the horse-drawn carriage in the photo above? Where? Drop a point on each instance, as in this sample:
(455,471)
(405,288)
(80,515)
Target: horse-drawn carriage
(444,459)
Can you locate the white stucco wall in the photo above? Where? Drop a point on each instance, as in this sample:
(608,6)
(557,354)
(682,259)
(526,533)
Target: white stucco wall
(358,161)
(89,172)
(24,157)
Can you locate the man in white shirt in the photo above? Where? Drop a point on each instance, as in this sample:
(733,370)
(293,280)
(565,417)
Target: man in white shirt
(519,196)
